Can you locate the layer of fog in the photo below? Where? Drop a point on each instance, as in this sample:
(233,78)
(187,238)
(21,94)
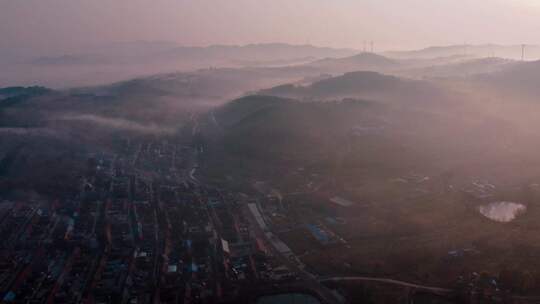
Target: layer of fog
(119,124)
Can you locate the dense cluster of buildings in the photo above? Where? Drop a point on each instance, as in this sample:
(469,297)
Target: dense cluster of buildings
(142,230)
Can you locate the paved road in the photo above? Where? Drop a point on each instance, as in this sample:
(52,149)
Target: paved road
(437,290)
(308,279)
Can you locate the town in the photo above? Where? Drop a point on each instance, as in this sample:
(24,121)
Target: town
(144,230)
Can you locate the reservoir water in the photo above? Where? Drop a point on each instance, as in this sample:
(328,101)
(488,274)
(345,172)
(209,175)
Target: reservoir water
(502,211)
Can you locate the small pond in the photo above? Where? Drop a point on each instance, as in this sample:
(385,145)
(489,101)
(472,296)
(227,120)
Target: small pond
(502,211)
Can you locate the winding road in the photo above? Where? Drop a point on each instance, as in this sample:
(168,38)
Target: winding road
(437,290)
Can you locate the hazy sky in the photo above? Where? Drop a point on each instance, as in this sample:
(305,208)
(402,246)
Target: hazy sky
(63,24)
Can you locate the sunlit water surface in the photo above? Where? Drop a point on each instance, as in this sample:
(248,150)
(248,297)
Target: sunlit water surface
(502,211)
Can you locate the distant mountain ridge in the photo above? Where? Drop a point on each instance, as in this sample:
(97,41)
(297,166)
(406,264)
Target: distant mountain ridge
(12,95)
(213,54)
(357,62)
(98,65)
(481,50)
(522,78)
(361,84)
(461,69)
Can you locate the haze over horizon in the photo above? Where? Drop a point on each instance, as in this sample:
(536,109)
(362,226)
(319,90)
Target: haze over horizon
(40,26)
(269,151)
